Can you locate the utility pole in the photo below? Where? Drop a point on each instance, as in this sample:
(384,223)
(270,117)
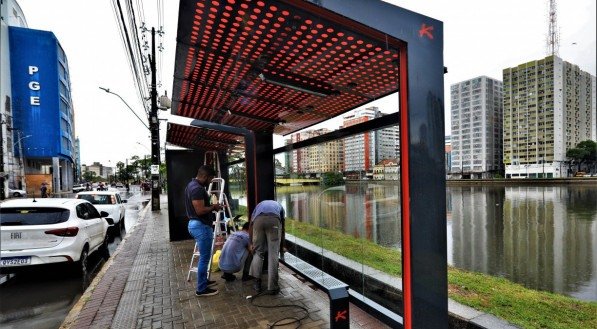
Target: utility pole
(154,127)
(22,160)
(2,191)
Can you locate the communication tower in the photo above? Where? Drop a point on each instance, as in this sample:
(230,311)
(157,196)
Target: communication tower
(553,34)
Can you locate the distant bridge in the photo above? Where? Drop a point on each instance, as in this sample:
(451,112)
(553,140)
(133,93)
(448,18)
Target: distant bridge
(296,181)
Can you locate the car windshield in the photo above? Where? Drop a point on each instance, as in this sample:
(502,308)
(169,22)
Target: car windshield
(33,216)
(97,198)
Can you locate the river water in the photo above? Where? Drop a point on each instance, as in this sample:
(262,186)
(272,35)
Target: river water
(543,237)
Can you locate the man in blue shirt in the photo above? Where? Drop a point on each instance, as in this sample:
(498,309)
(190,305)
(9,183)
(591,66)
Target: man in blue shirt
(268,234)
(198,210)
(236,254)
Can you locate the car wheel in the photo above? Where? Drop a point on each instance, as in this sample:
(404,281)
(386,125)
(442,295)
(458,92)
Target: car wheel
(103,249)
(81,266)
(116,229)
(16,194)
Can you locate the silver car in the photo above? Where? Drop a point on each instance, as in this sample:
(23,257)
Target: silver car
(17,192)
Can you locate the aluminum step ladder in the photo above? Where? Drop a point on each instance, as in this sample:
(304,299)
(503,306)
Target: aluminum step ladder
(223,217)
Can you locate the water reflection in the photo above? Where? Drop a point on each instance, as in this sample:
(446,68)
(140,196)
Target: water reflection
(363,210)
(542,237)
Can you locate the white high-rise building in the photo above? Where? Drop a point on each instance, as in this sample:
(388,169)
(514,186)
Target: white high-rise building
(387,143)
(359,150)
(549,107)
(363,151)
(476,109)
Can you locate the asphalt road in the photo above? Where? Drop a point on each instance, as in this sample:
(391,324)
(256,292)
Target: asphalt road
(42,298)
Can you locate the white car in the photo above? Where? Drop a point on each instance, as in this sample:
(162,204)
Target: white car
(17,193)
(46,231)
(108,201)
(78,188)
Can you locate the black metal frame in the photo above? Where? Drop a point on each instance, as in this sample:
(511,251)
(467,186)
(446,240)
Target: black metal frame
(424,258)
(421,119)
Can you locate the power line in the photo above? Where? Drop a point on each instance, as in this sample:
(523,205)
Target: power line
(129,48)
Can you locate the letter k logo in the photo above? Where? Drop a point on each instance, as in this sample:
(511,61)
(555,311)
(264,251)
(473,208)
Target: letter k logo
(426,31)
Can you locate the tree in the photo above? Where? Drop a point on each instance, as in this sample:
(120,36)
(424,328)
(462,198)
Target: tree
(121,172)
(237,176)
(332,178)
(278,167)
(89,176)
(584,152)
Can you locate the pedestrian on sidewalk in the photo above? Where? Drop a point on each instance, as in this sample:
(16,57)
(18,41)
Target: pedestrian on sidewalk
(199,212)
(44,190)
(268,235)
(236,254)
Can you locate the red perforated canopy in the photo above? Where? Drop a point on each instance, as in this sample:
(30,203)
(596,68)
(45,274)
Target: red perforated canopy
(204,139)
(275,66)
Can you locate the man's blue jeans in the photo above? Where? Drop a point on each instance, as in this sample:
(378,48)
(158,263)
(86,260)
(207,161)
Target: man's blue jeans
(203,234)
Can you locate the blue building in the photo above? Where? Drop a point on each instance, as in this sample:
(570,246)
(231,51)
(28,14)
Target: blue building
(42,107)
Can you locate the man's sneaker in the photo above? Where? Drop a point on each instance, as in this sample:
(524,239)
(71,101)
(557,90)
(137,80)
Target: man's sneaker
(211,283)
(206,292)
(247,277)
(229,277)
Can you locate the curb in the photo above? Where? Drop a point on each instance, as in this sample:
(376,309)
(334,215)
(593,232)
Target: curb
(461,316)
(86,296)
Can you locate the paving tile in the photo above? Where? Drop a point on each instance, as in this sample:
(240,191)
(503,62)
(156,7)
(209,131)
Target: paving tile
(146,287)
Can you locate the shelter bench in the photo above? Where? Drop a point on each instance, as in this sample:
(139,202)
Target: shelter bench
(336,289)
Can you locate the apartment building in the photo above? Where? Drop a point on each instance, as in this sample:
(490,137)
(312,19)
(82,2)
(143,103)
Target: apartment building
(448,153)
(300,157)
(476,134)
(363,151)
(549,107)
(327,157)
(387,143)
(359,150)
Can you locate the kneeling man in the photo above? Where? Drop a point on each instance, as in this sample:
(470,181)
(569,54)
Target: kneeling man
(236,255)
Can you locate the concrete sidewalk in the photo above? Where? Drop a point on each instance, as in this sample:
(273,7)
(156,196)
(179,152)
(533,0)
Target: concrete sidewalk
(143,285)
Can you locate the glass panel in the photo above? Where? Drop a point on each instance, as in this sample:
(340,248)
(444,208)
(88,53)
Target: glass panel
(33,216)
(348,222)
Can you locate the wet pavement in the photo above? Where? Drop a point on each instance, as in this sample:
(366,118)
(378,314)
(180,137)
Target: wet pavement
(144,286)
(41,298)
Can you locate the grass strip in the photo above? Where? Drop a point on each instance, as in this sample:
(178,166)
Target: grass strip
(510,301)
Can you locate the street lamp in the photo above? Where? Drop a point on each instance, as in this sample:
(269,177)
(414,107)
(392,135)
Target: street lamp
(22,161)
(125,103)
(154,126)
(144,161)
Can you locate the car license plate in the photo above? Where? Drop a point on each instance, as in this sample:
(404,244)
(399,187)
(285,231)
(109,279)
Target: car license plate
(15,261)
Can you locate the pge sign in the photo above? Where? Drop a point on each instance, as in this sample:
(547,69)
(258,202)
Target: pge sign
(34,85)
(155,169)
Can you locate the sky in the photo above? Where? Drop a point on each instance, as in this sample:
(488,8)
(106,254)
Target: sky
(480,38)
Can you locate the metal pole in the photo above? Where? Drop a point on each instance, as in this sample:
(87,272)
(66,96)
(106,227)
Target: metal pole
(22,171)
(2,181)
(154,127)
(126,170)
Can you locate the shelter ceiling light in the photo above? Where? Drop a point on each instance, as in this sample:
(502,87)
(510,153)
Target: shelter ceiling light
(308,90)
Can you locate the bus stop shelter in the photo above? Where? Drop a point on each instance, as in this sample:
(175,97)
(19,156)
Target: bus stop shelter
(245,70)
